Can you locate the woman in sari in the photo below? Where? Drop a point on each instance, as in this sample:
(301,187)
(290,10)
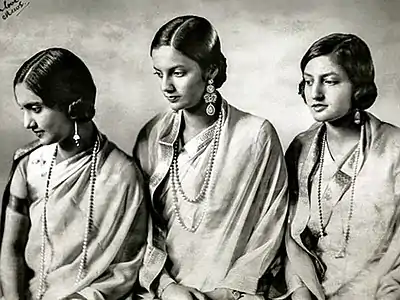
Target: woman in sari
(343,240)
(73,216)
(216,176)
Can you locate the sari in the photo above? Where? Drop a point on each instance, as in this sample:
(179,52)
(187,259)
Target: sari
(115,247)
(242,221)
(369,269)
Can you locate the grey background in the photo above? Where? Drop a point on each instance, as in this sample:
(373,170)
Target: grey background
(263,41)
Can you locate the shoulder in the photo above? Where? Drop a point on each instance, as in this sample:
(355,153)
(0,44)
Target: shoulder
(383,133)
(26,150)
(251,125)
(118,162)
(154,125)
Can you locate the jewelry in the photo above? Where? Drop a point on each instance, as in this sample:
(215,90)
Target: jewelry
(210,97)
(357,117)
(322,232)
(176,185)
(88,229)
(76,137)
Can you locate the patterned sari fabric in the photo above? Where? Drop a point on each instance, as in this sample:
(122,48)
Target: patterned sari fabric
(242,219)
(116,243)
(369,267)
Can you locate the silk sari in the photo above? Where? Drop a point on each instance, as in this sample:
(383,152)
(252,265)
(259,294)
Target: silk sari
(237,242)
(370,266)
(116,243)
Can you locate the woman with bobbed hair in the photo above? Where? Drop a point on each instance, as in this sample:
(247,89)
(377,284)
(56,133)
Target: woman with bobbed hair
(73,216)
(344,187)
(216,176)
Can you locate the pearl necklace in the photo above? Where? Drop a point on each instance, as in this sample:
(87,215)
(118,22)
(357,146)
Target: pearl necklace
(89,222)
(176,184)
(322,232)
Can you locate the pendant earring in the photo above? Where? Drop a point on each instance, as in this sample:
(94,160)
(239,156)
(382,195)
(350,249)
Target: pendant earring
(357,117)
(76,137)
(210,97)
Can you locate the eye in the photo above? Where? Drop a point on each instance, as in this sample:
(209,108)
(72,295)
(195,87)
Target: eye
(179,73)
(331,81)
(308,82)
(36,109)
(158,74)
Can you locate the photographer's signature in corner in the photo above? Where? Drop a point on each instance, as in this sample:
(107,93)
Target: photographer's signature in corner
(12,7)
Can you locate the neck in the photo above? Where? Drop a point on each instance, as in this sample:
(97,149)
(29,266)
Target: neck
(196,119)
(67,148)
(343,129)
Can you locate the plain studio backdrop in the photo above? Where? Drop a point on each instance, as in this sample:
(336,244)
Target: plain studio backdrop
(262,40)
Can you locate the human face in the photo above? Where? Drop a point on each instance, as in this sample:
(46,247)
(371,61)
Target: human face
(180,77)
(48,124)
(328,90)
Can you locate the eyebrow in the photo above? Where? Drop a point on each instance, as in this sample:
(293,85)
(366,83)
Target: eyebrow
(173,68)
(323,75)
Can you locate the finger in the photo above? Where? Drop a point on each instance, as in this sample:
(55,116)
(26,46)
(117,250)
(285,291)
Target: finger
(198,295)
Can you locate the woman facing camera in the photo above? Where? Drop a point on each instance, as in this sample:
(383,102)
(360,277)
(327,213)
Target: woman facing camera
(73,216)
(344,181)
(216,176)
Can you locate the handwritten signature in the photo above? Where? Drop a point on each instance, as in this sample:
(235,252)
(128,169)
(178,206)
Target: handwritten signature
(9,8)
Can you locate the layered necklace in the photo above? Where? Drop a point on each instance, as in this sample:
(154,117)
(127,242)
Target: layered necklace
(88,228)
(346,234)
(176,184)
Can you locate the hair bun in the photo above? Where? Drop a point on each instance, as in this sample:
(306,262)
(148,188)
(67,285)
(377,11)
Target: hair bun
(82,111)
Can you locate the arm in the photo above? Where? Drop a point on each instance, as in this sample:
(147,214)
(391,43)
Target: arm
(15,236)
(123,254)
(269,189)
(389,284)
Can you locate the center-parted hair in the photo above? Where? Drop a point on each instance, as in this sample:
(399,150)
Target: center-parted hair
(196,38)
(61,80)
(353,55)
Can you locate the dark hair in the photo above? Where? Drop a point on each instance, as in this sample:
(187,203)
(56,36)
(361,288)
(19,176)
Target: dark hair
(353,55)
(196,38)
(61,80)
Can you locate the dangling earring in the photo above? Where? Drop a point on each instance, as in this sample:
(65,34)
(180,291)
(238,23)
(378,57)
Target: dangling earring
(76,137)
(357,117)
(210,97)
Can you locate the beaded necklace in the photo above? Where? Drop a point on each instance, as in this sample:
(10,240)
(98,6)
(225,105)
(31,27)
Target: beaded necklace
(88,228)
(322,233)
(176,184)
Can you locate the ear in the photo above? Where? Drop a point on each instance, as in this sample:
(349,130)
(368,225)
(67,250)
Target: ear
(212,72)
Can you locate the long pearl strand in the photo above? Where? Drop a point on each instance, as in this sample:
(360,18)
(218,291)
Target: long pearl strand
(88,229)
(322,232)
(176,184)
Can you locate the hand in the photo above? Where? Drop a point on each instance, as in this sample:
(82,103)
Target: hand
(301,293)
(220,294)
(179,292)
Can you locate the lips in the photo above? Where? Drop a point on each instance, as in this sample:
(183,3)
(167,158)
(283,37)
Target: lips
(319,107)
(172,98)
(39,133)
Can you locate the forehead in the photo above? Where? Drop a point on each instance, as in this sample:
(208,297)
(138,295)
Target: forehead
(322,65)
(25,97)
(167,57)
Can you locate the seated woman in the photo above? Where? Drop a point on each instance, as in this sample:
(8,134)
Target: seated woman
(343,240)
(217,178)
(73,219)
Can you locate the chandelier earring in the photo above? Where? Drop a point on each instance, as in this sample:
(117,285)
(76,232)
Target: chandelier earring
(210,97)
(76,137)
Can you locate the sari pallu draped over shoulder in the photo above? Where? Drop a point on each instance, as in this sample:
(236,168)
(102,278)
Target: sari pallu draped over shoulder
(374,225)
(116,242)
(246,209)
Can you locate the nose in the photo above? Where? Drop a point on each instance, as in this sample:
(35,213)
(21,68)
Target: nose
(317,91)
(167,84)
(29,122)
